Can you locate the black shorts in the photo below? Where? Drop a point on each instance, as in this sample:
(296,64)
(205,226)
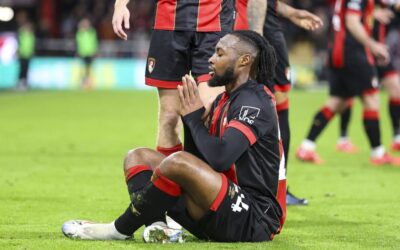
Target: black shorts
(386,71)
(233,217)
(172,54)
(352,80)
(282,81)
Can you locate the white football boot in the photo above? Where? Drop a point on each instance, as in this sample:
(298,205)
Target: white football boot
(87,230)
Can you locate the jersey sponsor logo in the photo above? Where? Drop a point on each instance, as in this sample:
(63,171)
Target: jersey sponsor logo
(151,64)
(249,114)
(239,205)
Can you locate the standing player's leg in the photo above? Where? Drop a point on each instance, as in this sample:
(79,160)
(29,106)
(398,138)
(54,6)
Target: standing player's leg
(282,86)
(169,122)
(379,156)
(391,82)
(344,143)
(168,60)
(306,151)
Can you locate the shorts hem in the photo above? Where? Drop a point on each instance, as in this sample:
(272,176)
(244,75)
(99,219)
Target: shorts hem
(162,83)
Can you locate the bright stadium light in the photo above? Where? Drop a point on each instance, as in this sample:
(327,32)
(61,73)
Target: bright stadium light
(6,14)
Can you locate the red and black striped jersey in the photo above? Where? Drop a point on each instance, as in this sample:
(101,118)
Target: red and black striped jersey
(194,15)
(241,22)
(345,46)
(260,170)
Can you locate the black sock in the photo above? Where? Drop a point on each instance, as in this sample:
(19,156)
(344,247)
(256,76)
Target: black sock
(371,126)
(394,111)
(283,116)
(148,204)
(137,177)
(126,223)
(345,119)
(321,119)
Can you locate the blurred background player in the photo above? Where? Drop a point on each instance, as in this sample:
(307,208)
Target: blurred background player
(388,78)
(352,73)
(26,48)
(263,18)
(86,47)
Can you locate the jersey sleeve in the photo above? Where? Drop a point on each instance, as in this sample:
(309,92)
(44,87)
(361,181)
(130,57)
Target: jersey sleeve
(253,116)
(218,152)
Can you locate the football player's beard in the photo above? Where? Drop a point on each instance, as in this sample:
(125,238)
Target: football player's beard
(222,80)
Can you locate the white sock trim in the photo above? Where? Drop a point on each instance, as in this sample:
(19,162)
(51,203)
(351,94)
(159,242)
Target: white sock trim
(308,145)
(378,152)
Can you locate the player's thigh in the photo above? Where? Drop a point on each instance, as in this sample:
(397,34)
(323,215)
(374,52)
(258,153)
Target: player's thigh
(168,58)
(239,218)
(371,101)
(391,82)
(282,81)
(336,103)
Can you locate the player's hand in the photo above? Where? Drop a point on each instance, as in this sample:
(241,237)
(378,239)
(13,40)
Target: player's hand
(120,20)
(383,16)
(189,96)
(381,53)
(306,20)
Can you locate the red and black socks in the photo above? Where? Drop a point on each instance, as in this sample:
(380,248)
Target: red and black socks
(148,204)
(371,126)
(321,119)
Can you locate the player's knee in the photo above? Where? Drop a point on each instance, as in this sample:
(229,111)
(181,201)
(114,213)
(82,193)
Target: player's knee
(394,91)
(135,157)
(175,164)
(371,102)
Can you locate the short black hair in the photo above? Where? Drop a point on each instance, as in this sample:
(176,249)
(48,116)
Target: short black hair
(263,68)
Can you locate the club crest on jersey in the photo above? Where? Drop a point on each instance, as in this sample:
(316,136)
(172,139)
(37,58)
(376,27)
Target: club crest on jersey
(249,114)
(151,64)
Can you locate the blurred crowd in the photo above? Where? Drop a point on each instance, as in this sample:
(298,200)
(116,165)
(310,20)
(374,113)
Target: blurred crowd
(56,23)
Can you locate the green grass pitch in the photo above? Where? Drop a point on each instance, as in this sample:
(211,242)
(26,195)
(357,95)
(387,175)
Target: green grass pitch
(61,158)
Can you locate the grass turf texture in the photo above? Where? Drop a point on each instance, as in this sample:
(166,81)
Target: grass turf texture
(61,158)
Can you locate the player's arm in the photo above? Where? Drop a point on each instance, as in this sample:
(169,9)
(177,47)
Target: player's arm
(120,20)
(356,28)
(383,15)
(256,13)
(219,152)
(301,18)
